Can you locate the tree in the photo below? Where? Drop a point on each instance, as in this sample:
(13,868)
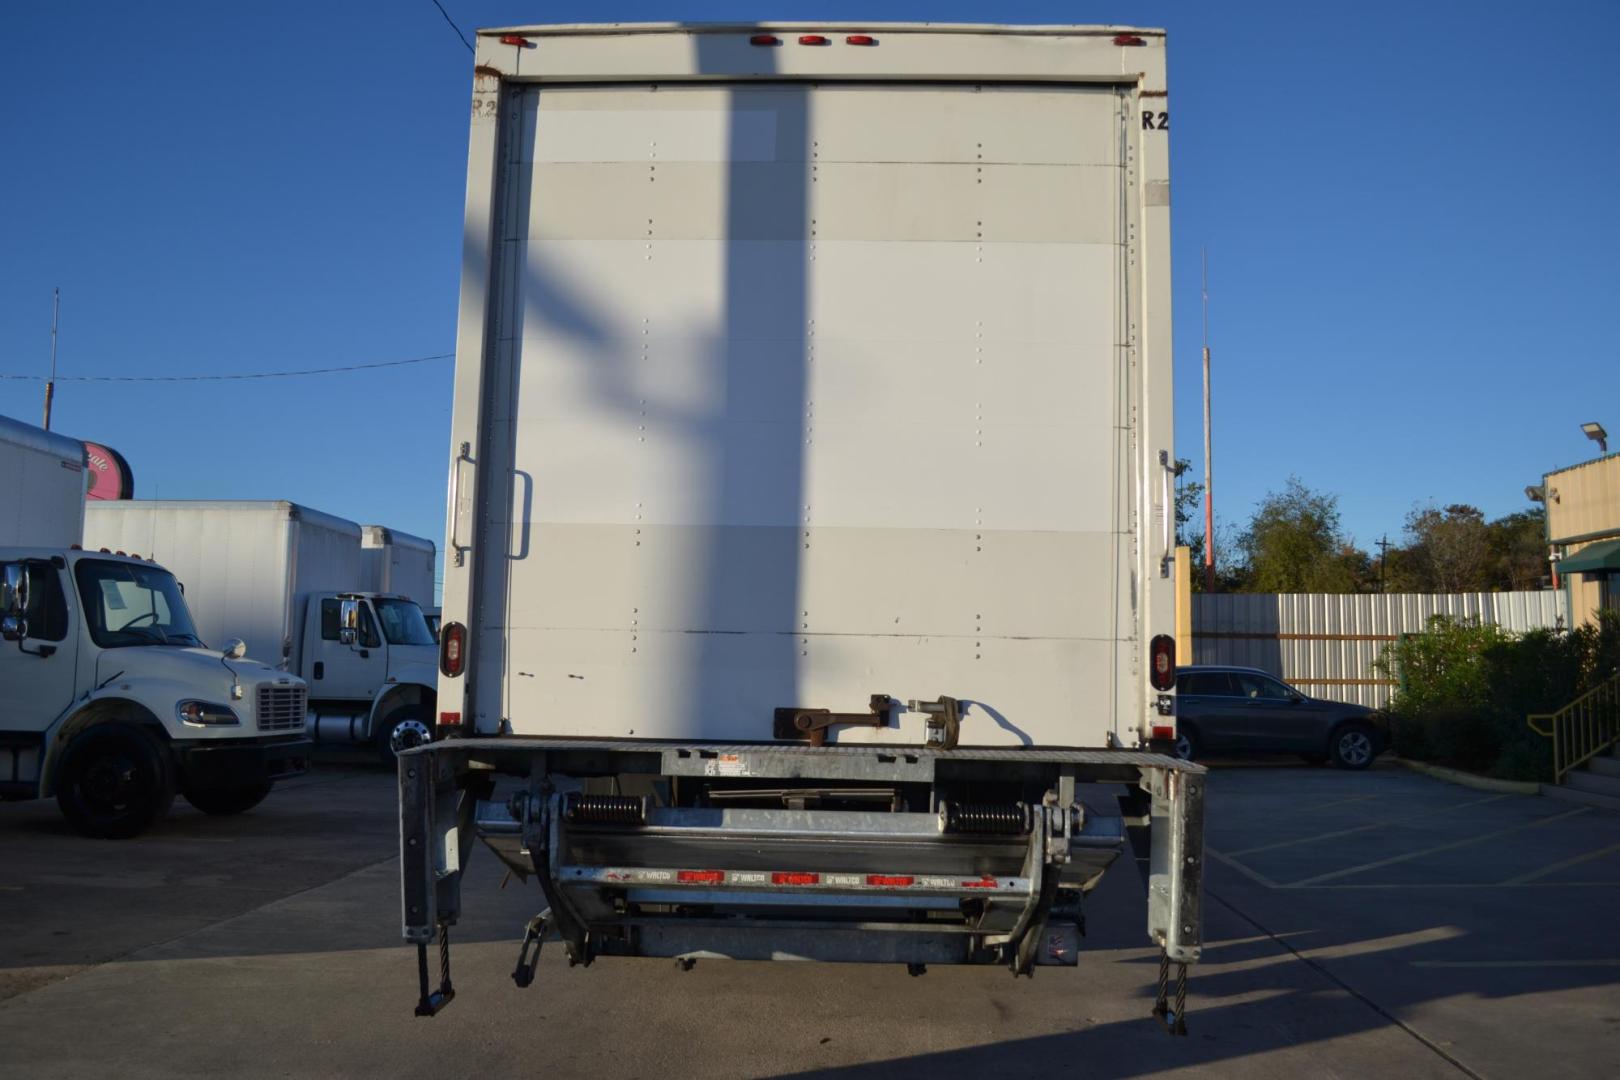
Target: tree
(1518,549)
(1451,548)
(1294,543)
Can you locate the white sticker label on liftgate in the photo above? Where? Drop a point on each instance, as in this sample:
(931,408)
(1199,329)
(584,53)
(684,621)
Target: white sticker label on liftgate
(725,765)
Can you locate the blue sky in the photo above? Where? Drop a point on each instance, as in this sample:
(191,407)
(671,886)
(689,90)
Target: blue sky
(1408,210)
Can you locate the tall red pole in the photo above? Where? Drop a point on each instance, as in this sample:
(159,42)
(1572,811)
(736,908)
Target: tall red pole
(1209,461)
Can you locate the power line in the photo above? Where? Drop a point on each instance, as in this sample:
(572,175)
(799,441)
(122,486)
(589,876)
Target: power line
(454,27)
(240,375)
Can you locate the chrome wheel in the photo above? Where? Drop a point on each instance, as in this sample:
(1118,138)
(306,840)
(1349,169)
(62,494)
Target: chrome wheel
(1354,749)
(408,734)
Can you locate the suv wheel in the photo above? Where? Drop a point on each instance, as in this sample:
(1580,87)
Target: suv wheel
(1352,746)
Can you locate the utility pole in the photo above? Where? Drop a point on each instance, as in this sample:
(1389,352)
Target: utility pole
(50,383)
(1383,561)
(1209,467)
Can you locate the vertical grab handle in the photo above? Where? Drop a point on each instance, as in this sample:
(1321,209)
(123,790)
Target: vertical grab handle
(1167,470)
(458,549)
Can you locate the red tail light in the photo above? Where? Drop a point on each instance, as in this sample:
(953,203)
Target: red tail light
(1162,662)
(449,719)
(452,649)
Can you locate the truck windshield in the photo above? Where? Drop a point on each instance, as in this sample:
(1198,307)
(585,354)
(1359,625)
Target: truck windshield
(130,604)
(402,622)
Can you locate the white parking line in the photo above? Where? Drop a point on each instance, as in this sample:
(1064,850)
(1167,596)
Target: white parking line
(1253,875)
(1515,963)
(1410,855)
(1557,866)
(1363,828)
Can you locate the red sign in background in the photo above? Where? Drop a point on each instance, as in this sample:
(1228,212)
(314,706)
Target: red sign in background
(110,476)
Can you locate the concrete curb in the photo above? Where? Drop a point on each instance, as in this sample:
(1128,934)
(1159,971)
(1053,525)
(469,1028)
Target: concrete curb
(1471,780)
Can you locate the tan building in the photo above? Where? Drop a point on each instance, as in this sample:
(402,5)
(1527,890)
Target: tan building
(1583,529)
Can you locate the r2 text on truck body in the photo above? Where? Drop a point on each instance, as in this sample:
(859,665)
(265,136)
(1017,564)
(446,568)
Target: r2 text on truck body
(810,530)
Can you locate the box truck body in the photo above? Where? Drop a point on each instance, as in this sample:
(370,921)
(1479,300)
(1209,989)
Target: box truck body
(249,568)
(42,482)
(397,562)
(811,477)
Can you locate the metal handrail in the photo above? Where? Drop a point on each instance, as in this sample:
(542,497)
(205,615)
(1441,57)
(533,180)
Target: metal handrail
(1583,729)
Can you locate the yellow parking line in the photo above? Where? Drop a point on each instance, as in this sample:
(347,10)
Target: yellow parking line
(1408,856)
(1557,866)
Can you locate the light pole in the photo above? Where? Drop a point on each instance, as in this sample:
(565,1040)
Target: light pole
(1595,432)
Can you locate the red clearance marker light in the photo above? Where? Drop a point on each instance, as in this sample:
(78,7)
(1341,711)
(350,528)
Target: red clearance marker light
(795,879)
(890,881)
(860,39)
(1128,39)
(814,39)
(701,877)
(515,39)
(764,39)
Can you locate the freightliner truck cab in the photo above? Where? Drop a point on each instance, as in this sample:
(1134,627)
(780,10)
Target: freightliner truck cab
(111,702)
(371,664)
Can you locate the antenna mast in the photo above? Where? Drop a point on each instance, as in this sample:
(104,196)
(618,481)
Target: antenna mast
(50,383)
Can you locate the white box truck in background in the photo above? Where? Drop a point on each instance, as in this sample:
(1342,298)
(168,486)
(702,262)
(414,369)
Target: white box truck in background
(811,522)
(109,700)
(399,563)
(42,482)
(290,581)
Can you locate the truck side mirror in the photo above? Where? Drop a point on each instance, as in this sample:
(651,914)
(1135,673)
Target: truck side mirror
(348,621)
(234,649)
(13,602)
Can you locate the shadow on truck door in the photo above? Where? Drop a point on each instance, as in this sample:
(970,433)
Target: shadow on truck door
(712,383)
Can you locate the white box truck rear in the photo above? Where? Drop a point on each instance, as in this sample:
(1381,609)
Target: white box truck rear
(810,526)
(42,482)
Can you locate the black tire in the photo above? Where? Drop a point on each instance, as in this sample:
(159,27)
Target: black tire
(1186,747)
(407,726)
(115,781)
(1352,746)
(229,800)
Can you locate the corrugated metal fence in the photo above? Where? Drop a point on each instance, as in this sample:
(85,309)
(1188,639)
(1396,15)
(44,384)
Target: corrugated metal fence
(1325,644)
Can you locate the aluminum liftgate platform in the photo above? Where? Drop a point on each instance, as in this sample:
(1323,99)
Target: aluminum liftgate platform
(626,875)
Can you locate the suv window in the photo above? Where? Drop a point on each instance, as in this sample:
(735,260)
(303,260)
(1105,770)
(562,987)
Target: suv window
(1258,686)
(1207,684)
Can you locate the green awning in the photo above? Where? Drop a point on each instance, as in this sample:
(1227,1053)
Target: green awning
(1601,557)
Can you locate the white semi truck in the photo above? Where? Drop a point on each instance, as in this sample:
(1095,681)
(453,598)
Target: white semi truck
(811,523)
(109,699)
(292,583)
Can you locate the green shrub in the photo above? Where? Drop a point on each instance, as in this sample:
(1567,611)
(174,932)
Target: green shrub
(1465,689)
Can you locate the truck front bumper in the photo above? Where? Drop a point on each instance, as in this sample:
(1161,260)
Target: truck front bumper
(244,763)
